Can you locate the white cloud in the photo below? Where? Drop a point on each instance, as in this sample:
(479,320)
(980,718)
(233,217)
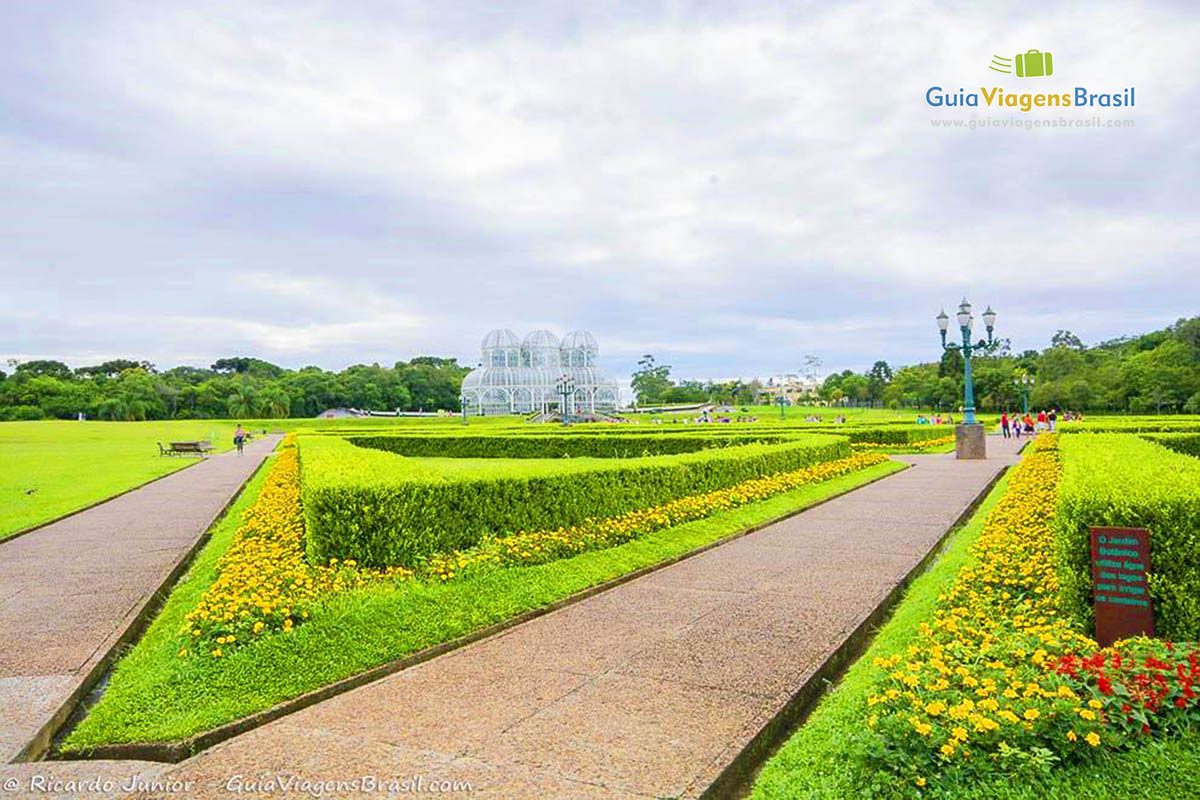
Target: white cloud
(679,183)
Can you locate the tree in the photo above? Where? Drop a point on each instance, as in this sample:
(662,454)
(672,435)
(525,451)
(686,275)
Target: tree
(651,381)
(43,368)
(879,376)
(1066,339)
(243,402)
(113,368)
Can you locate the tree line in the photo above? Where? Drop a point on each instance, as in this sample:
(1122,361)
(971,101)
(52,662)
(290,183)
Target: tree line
(242,387)
(1155,372)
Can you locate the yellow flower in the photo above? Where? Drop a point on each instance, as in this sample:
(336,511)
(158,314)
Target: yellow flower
(1071,736)
(960,734)
(1093,739)
(1031,714)
(920,781)
(948,749)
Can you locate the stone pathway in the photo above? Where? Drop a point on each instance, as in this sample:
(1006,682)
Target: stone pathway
(648,690)
(71,590)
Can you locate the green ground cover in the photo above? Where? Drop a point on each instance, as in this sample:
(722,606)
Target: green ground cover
(51,468)
(156,696)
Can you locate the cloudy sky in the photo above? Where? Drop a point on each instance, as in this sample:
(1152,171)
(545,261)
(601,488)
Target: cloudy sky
(344,182)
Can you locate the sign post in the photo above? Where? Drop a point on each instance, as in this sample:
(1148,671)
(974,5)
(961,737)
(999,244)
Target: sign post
(1121,595)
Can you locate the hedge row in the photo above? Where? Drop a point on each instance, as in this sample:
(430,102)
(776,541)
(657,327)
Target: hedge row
(611,446)
(380,510)
(1134,425)
(1186,443)
(1126,481)
(909,435)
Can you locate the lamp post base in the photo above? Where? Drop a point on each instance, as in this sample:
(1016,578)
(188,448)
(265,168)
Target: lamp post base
(970,441)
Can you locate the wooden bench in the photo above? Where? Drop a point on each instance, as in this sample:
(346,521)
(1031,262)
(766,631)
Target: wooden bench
(199,448)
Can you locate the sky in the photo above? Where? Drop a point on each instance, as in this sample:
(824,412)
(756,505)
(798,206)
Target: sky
(726,186)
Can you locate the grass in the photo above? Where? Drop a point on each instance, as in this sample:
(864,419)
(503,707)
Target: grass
(50,469)
(821,760)
(156,696)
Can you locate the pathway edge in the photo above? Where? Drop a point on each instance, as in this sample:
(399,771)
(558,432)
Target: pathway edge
(134,624)
(737,778)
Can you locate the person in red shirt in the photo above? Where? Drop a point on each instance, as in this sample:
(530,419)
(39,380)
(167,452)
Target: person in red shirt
(1004,424)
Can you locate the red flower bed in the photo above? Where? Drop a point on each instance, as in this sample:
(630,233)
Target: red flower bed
(1145,686)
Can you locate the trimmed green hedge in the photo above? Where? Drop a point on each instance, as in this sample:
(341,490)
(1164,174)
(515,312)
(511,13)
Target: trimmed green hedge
(610,446)
(1126,481)
(381,509)
(901,436)
(1186,443)
(1134,425)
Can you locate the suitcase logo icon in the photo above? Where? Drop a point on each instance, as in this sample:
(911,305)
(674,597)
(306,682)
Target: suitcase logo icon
(1031,64)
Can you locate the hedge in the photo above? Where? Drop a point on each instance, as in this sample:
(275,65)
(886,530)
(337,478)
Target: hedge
(611,446)
(901,436)
(382,510)
(1134,425)
(1126,481)
(1186,443)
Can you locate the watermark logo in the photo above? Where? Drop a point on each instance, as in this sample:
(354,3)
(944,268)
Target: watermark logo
(1030,64)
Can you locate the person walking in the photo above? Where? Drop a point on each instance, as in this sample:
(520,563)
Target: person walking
(239,438)
(1004,424)
(1052,418)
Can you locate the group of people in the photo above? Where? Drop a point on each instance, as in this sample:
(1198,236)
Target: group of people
(1015,425)
(935,419)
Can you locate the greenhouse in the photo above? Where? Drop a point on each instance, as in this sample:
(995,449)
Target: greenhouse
(525,376)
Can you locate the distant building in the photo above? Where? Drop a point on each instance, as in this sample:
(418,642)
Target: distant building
(795,390)
(522,376)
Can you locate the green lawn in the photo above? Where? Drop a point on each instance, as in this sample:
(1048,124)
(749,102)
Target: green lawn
(156,696)
(48,469)
(823,759)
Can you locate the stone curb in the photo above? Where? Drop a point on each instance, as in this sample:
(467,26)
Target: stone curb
(737,779)
(40,745)
(174,752)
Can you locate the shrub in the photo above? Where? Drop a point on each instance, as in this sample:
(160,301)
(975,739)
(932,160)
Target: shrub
(1134,425)
(1186,443)
(381,510)
(1126,481)
(550,446)
(904,436)
(538,547)
(20,413)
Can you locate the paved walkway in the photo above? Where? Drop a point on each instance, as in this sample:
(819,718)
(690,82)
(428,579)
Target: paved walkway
(650,689)
(69,591)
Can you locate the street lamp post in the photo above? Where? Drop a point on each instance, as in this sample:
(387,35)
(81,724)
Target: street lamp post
(969,436)
(780,400)
(566,388)
(1024,384)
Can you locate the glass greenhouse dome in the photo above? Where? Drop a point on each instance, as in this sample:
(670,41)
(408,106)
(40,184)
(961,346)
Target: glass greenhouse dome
(520,376)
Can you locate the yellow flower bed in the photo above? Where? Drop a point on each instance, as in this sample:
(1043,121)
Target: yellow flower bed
(541,546)
(263,583)
(976,693)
